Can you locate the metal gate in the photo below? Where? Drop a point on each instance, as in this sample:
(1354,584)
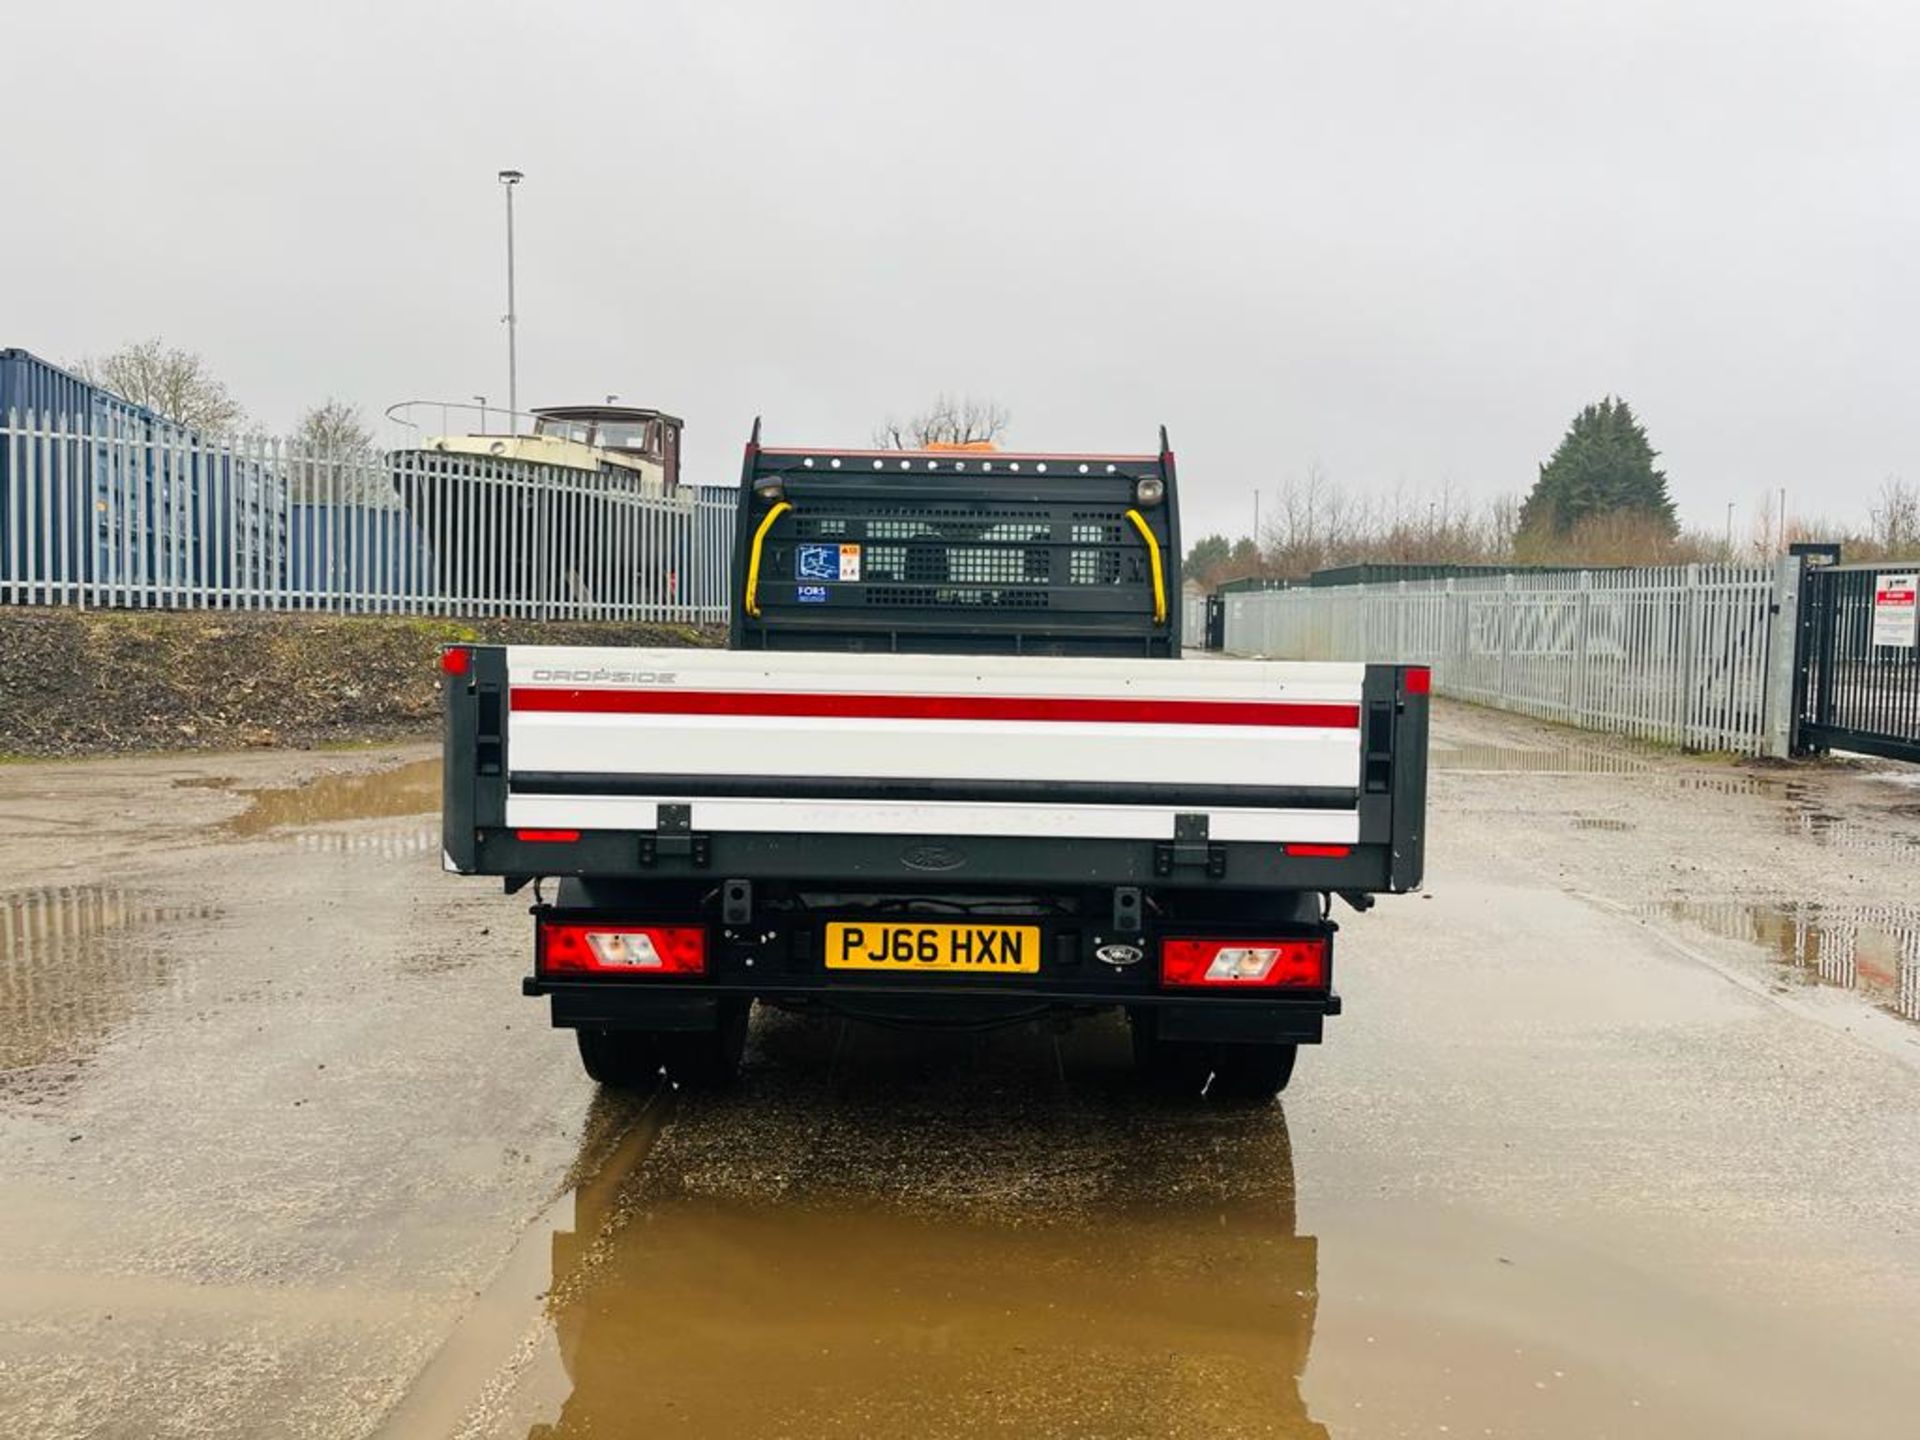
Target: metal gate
(1857,661)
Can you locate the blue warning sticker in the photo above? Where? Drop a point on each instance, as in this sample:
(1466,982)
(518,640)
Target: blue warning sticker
(817,562)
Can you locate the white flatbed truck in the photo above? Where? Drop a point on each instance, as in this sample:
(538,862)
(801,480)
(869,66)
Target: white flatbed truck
(952,770)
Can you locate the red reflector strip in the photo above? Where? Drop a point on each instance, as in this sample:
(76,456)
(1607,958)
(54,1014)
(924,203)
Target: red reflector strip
(1419,680)
(611,948)
(935,707)
(456,660)
(1293,963)
(547,837)
(1320,852)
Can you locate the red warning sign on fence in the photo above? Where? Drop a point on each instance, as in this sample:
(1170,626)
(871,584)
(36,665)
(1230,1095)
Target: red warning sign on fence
(1894,610)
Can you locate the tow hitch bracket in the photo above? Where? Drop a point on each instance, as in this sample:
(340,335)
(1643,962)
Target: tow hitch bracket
(1189,847)
(674,839)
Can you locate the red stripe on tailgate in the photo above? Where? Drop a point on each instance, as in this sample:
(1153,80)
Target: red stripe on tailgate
(934,707)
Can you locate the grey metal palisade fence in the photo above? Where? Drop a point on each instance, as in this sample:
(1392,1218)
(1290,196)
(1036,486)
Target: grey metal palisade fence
(1695,655)
(108,514)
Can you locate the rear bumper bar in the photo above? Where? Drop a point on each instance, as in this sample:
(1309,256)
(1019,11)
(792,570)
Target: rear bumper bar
(972,861)
(695,1006)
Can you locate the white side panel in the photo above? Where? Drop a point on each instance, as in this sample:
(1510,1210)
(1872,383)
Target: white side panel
(934,749)
(1035,675)
(836,817)
(651,740)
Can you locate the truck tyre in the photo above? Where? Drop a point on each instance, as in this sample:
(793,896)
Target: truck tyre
(1220,1070)
(1252,1072)
(624,1059)
(641,1059)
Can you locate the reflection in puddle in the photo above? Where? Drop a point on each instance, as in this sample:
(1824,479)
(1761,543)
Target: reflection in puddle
(1877,836)
(381,845)
(1722,784)
(74,963)
(411,789)
(1565,760)
(937,1235)
(1874,949)
(1887,833)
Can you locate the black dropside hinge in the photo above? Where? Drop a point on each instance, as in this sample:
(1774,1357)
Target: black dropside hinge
(1189,848)
(673,839)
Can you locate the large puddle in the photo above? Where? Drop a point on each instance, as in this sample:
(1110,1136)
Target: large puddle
(1874,950)
(75,962)
(1890,830)
(904,1234)
(885,1233)
(410,789)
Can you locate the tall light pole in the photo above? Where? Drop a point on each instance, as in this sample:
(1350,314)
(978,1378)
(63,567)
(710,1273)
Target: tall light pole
(511,178)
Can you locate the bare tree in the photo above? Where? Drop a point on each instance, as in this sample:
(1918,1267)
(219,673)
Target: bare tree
(332,456)
(335,428)
(174,382)
(947,421)
(1313,522)
(1502,526)
(1896,517)
(1613,538)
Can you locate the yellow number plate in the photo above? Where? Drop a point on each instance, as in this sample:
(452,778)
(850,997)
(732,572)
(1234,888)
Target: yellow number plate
(977,949)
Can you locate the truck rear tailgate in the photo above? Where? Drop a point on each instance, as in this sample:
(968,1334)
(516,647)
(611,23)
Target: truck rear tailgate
(715,743)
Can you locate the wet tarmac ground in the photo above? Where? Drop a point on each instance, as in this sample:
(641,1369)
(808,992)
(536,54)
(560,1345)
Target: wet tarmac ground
(1619,1135)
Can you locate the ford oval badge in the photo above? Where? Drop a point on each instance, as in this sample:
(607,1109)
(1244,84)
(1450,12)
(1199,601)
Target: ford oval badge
(1119,955)
(933,857)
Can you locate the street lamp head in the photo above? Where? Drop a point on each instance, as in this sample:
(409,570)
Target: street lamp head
(511,177)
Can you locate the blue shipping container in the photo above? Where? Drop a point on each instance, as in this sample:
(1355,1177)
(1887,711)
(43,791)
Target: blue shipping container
(124,502)
(356,552)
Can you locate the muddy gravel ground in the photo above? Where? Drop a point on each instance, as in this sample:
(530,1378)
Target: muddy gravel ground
(1619,1136)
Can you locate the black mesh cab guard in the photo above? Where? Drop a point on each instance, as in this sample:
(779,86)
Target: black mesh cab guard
(957,551)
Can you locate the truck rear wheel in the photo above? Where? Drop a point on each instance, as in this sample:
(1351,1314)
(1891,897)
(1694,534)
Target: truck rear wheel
(1252,1072)
(640,1059)
(1218,1069)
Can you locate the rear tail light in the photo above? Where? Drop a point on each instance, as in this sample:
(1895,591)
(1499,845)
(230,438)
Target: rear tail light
(606,949)
(1275,964)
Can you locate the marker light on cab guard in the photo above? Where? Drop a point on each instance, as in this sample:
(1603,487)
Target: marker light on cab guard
(1419,680)
(612,949)
(456,660)
(1290,964)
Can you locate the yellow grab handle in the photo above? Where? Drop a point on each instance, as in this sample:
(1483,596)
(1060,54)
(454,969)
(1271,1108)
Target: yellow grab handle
(759,538)
(1153,554)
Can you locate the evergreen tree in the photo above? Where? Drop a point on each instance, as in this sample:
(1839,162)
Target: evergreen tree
(1604,465)
(1207,557)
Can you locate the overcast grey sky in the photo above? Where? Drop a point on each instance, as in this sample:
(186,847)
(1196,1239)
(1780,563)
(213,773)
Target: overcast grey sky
(1405,241)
